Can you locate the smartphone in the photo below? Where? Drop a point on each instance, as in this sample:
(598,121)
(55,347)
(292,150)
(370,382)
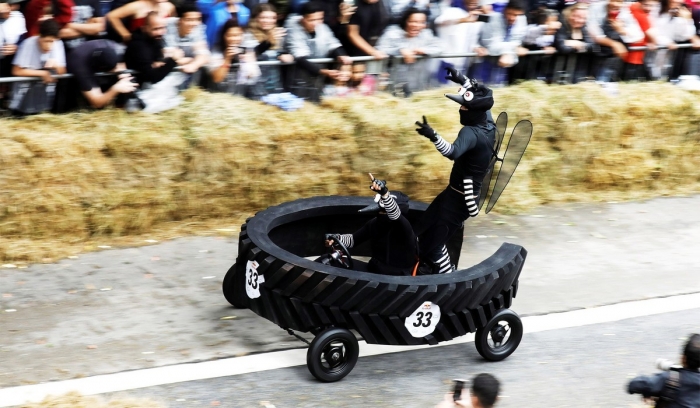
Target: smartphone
(457,386)
(484,18)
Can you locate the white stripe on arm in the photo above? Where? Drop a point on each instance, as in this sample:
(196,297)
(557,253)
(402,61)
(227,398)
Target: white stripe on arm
(444,147)
(347,240)
(444,262)
(469,198)
(392,209)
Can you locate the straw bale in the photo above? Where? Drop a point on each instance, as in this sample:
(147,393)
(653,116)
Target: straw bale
(71,182)
(76,400)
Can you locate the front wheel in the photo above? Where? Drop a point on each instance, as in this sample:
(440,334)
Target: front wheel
(332,354)
(500,337)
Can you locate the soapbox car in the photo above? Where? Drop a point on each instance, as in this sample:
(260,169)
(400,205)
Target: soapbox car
(274,276)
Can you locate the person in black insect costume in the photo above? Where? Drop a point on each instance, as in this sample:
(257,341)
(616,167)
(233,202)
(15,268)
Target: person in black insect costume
(393,242)
(471,153)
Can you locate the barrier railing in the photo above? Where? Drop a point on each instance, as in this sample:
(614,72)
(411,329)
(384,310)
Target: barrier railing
(354,59)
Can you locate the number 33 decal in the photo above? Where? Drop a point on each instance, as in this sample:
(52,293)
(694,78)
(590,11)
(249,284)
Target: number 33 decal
(423,320)
(253,280)
(419,316)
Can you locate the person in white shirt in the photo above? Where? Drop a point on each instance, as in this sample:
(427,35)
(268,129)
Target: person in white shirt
(672,24)
(40,56)
(12,26)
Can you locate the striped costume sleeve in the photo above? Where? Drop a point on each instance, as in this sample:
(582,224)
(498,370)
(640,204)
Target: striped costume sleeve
(346,239)
(469,197)
(444,147)
(392,209)
(444,262)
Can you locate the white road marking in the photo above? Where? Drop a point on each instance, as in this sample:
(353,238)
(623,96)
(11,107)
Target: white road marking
(270,361)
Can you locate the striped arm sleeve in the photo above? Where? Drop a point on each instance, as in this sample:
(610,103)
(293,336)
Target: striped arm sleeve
(444,147)
(346,239)
(392,209)
(469,197)
(444,261)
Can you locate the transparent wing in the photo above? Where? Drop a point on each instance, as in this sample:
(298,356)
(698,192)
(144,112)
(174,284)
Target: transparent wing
(511,158)
(501,125)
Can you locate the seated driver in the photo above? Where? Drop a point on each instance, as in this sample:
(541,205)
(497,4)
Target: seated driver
(393,242)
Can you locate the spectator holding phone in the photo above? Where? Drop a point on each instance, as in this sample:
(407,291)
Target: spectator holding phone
(40,56)
(483,393)
(217,12)
(268,40)
(229,50)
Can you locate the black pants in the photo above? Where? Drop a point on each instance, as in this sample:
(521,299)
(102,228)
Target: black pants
(444,216)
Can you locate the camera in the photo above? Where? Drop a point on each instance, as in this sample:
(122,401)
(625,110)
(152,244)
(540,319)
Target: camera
(457,386)
(667,365)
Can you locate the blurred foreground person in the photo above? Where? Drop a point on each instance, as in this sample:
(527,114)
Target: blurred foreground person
(483,393)
(676,387)
(471,153)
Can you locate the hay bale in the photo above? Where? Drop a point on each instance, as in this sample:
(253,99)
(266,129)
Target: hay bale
(72,181)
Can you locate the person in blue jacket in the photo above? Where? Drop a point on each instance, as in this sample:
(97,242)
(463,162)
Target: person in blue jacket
(216,13)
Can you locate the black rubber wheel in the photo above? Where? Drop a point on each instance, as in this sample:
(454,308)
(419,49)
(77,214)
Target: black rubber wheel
(332,354)
(229,287)
(500,337)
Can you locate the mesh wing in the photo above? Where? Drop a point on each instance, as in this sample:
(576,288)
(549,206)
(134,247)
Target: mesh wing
(501,125)
(511,158)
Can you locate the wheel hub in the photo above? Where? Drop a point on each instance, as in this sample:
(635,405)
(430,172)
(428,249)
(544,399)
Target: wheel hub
(499,333)
(334,356)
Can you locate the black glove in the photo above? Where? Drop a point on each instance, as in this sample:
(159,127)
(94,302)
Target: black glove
(455,76)
(381,184)
(426,130)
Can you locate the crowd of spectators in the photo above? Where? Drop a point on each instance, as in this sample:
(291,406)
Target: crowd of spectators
(227,46)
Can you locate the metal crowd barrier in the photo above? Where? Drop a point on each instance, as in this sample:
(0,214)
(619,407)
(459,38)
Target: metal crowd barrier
(563,70)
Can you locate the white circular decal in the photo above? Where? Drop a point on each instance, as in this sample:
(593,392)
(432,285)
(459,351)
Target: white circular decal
(468,96)
(423,320)
(253,280)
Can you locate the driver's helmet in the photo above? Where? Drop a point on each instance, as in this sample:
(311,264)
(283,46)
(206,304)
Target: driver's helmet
(401,199)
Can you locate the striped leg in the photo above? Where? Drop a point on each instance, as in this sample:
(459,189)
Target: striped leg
(444,262)
(469,197)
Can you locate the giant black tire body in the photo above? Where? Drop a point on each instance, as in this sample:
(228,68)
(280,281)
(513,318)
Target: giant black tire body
(306,296)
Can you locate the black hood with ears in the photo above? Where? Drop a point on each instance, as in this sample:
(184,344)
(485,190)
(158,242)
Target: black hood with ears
(473,96)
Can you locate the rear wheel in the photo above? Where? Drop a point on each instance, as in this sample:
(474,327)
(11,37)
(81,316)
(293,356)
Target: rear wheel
(332,354)
(229,288)
(500,337)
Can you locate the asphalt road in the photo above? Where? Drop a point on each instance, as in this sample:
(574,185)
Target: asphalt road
(125,309)
(586,366)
